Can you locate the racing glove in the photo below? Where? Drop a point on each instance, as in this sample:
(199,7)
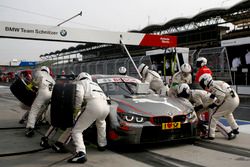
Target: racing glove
(213,106)
(198,108)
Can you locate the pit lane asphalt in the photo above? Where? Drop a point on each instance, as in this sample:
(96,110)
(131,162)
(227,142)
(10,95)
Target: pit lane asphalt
(17,150)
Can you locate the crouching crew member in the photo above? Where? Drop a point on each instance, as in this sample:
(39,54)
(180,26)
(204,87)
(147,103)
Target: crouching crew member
(97,110)
(65,137)
(226,103)
(154,80)
(202,101)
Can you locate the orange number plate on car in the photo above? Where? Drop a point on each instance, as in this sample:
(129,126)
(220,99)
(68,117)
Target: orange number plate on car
(171,125)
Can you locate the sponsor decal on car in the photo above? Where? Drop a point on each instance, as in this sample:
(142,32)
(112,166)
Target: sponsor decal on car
(107,80)
(171,125)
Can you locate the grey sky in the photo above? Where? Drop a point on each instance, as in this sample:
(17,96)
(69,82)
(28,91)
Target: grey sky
(113,15)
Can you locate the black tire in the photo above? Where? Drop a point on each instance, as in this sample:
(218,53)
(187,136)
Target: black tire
(62,105)
(20,91)
(56,105)
(69,103)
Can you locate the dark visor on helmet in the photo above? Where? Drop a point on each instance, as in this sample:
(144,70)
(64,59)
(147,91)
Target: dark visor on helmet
(198,64)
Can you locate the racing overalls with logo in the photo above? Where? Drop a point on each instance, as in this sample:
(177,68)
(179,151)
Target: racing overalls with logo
(96,109)
(201,100)
(177,79)
(156,83)
(227,101)
(45,85)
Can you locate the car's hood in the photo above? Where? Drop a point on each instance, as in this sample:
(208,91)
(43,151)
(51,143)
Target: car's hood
(153,105)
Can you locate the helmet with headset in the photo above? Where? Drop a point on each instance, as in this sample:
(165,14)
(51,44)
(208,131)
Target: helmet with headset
(205,80)
(82,76)
(122,70)
(186,68)
(143,69)
(183,90)
(45,68)
(201,61)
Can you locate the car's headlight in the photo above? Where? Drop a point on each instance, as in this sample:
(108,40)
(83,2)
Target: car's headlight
(139,119)
(191,115)
(131,118)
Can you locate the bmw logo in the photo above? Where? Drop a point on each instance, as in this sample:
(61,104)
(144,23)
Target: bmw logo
(170,114)
(63,33)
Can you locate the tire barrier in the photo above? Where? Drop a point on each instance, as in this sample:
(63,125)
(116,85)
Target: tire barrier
(63,105)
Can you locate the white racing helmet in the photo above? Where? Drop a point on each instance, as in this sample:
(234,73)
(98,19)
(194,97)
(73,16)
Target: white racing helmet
(45,68)
(183,90)
(122,70)
(186,68)
(82,76)
(205,80)
(201,61)
(143,69)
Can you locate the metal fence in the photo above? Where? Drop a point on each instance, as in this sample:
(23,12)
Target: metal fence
(102,67)
(217,61)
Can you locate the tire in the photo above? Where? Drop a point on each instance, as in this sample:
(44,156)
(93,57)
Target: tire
(20,91)
(62,105)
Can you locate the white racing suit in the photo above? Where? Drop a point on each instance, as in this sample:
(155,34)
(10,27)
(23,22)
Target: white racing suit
(227,101)
(155,82)
(201,100)
(177,79)
(96,109)
(45,85)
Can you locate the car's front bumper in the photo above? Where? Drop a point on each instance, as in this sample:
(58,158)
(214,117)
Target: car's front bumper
(153,134)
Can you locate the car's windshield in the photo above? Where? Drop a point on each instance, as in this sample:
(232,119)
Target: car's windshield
(117,87)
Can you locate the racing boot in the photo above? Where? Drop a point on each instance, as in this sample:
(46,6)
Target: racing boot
(231,136)
(207,137)
(59,147)
(202,127)
(210,138)
(235,131)
(21,121)
(101,148)
(80,157)
(29,132)
(44,142)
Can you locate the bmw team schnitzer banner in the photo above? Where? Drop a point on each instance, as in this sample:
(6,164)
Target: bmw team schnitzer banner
(64,34)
